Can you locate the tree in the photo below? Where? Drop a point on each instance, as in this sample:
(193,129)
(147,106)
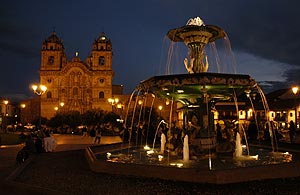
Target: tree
(73,119)
(93,117)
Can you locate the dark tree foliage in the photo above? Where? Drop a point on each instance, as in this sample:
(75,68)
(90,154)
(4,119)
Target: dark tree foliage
(37,121)
(73,119)
(57,121)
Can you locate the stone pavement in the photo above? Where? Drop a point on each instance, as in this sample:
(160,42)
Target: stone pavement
(9,169)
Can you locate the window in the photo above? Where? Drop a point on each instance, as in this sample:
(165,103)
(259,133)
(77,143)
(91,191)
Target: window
(101,80)
(101,60)
(49,94)
(51,60)
(101,95)
(75,91)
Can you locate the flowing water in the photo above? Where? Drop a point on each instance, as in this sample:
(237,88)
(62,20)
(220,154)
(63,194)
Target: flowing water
(189,136)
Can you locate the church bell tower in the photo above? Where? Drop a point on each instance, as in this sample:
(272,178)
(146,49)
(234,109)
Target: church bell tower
(53,54)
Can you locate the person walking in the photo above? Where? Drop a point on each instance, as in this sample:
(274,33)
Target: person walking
(93,134)
(98,134)
(84,131)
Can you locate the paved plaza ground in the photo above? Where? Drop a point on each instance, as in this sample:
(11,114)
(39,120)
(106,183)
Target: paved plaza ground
(66,171)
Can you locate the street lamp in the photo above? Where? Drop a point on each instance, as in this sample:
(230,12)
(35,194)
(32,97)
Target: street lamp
(5,116)
(295,91)
(23,105)
(39,90)
(113,101)
(61,104)
(160,108)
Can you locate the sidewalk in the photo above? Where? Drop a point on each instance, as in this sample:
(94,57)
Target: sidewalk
(9,169)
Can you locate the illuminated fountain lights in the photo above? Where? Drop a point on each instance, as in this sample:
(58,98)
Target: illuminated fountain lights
(194,97)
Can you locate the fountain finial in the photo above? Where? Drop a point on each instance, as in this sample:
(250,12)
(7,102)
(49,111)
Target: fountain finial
(195,21)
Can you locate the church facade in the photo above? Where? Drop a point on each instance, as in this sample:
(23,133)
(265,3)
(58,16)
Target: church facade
(75,85)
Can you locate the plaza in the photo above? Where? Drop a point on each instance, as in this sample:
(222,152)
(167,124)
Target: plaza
(66,171)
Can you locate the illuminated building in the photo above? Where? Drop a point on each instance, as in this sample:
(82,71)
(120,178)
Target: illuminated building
(81,85)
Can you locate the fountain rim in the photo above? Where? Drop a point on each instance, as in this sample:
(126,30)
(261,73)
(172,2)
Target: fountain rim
(203,78)
(195,85)
(217,32)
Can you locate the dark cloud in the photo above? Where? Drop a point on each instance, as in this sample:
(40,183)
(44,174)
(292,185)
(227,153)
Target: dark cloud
(292,76)
(18,48)
(270,86)
(268,29)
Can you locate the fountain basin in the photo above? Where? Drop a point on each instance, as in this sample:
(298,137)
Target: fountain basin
(188,174)
(182,86)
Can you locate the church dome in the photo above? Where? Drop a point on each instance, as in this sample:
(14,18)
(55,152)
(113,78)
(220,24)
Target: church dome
(102,43)
(53,38)
(53,42)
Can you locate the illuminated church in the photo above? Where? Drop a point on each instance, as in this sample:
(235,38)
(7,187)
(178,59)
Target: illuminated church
(75,85)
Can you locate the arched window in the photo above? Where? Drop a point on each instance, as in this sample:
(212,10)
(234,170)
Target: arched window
(101,60)
(101,95)
(49,94)
(51,60)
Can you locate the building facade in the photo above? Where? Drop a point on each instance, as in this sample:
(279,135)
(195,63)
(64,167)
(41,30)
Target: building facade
(75,85)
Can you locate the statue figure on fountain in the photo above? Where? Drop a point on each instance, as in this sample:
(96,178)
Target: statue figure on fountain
(188,67)
(200,67)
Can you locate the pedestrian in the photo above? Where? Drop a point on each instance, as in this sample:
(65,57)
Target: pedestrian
(92,133)
(98,134)
(252,131)
(84,131)
(39,145)
(292,130)
(219,133)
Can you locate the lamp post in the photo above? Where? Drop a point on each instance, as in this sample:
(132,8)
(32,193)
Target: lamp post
(5,116)
(39,90)
(113,101)
(295,91)
(61,104)
(160,108)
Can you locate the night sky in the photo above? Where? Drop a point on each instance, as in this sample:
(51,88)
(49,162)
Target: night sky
(264,36)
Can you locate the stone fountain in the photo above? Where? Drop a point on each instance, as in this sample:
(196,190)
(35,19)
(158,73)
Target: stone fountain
(194,97)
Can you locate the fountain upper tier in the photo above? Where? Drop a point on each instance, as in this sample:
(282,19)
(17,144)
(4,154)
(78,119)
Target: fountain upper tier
(193,86)
(196,36)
